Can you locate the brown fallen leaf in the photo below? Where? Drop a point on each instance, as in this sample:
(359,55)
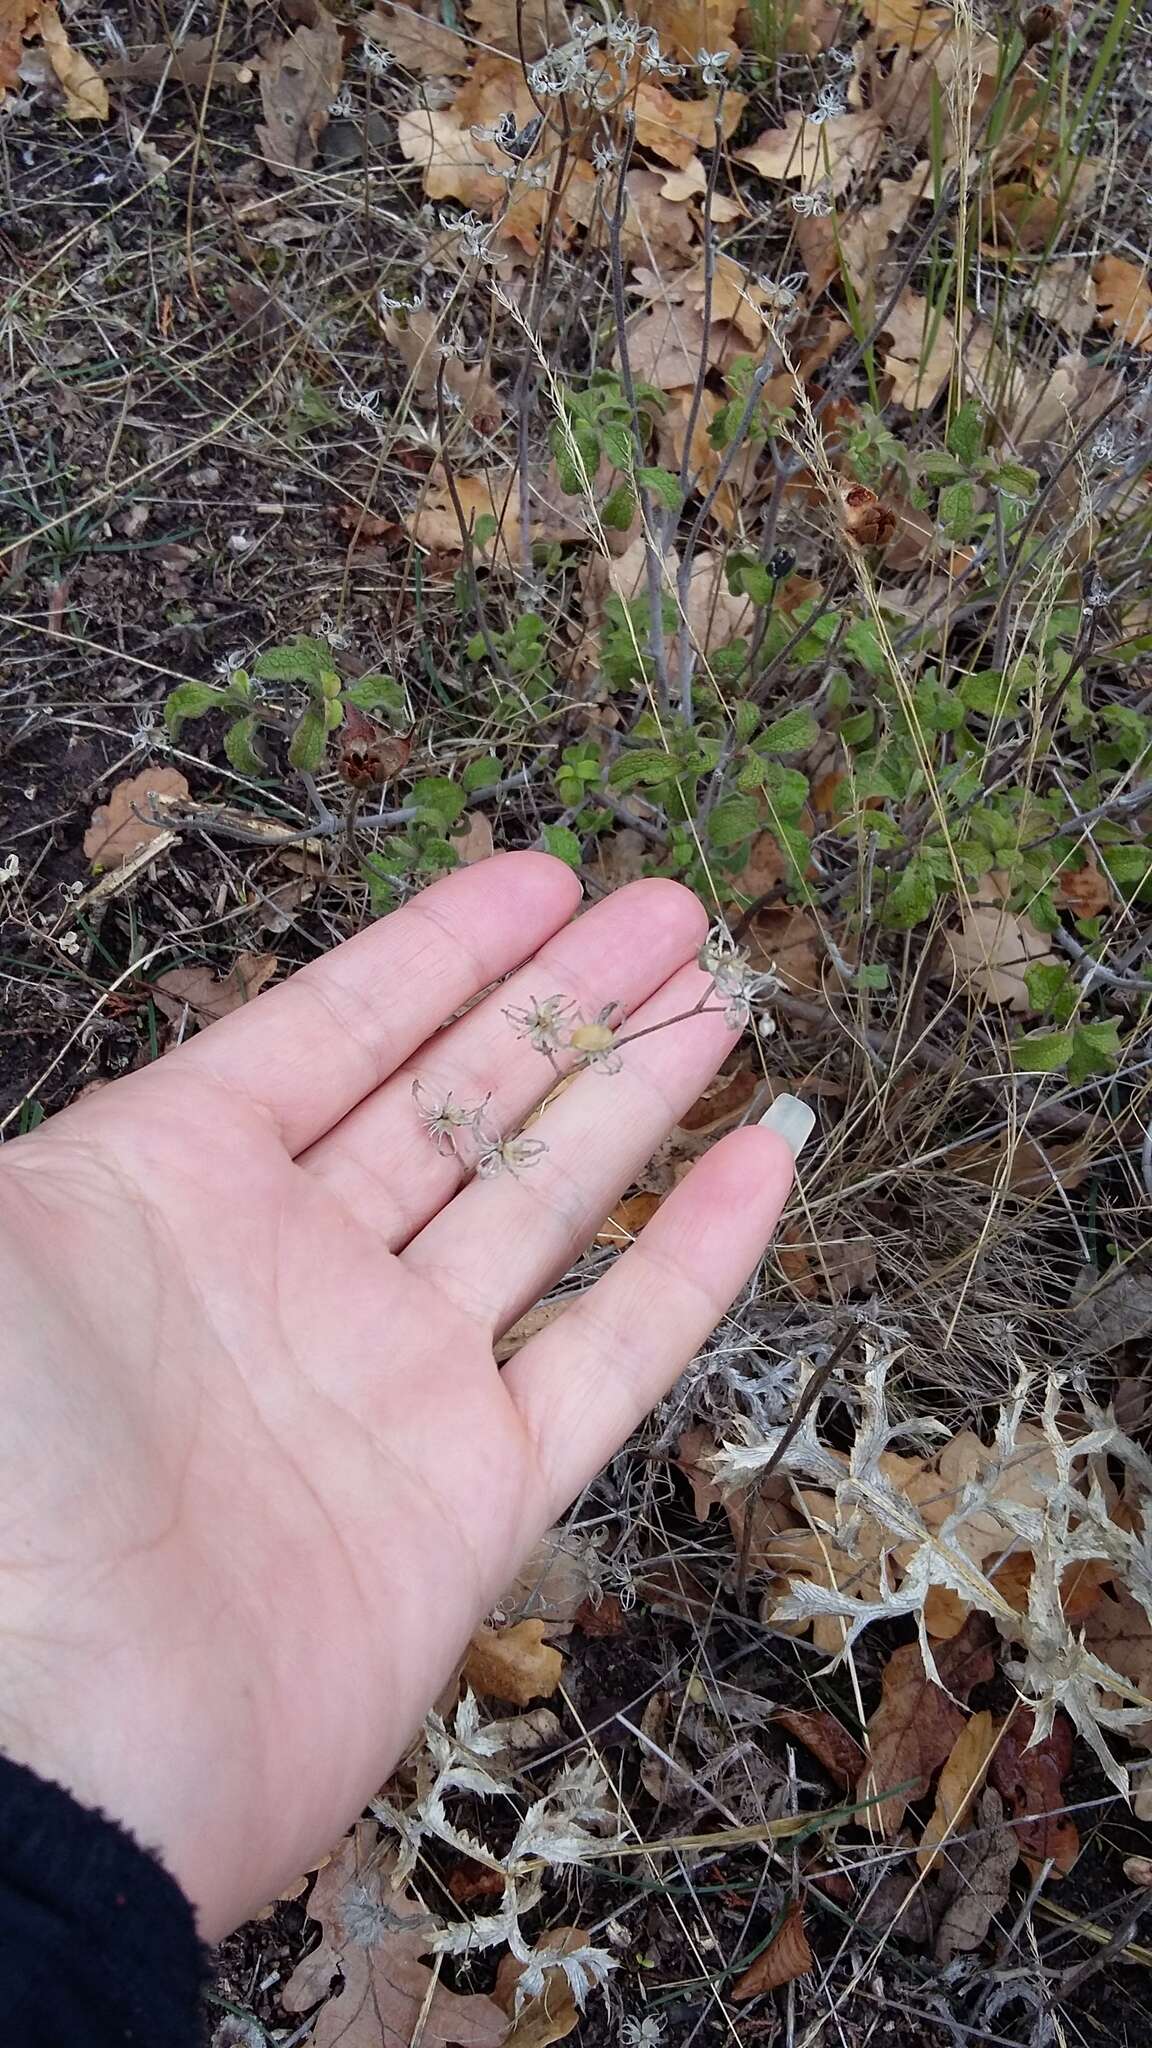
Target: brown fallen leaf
(513,1664)
(388,1991)
(1032,1782)
(812,153)
(923,347)
(1022,1165)
(1113,1308)
(1086,891)
(786,1957)
(555,1581)
(725,1099)
(906,22)
(976,1877)
(299,79)
(504,24)
(553,2013)
(196,63)
(435,525)
(686,26)
(675,129)
(16,19)
(85,93)
(960,1780)
(1063,293)
(916,1724)
(417,341)
(628,1219)
(210,996)
(995,946)
(419,42)
(1124,300)
(122,825)
(694,1444)
(828,1741)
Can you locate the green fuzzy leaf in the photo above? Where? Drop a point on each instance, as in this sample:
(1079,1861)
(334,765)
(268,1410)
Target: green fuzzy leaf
(379,693)
(875,975)
(965,435)
(756,583)
(238,745)
(478,774)
(1043,1052)
(305,661)
(1096,1048)
(989,694)
(1129,866)
(485,528)
(957,510)
(730,660)
(440,800)
(734,819)
(745,719)
(308,742)
(557,839)
(858,729)
(1016,480)
(1051,988)
(333,714)
(790,734)
(646,768)
(616,441)
(912,896)
(785,789)
(619,508)
(938,467)
(663,485)
(795,846)
(191,700)
(862,642)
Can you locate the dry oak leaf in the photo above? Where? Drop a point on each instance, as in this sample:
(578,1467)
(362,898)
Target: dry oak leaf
(1118,1632)
(195,63)
(675,129)
(688,26)
(417,342)
(435,525)
(995,946)
(210,996)
(1022,1165)
(907,23)
(916,1724)
(960,1780)
(418,42)
(121,826)
(976,1878)
(16,21)
(513,1664)
(389,1993)
(553,2013)
(501,24)
(828,1741)
(1085,891)
(922,347)
(693,1445)
(557,1578)
(812,153)
(1063,293)
(786,1957)
(455,165)
(299,79)
(1124,300)
(627,1219)
(85,93)
(864,237)
(472,841)
(1032,1783)
(678,185)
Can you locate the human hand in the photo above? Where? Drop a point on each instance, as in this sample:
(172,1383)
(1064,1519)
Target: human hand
(260,1474)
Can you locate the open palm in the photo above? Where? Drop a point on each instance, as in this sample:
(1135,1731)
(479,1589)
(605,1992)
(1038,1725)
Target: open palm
(261,1476)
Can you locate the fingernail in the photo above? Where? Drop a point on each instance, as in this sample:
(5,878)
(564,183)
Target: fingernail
(791,1120)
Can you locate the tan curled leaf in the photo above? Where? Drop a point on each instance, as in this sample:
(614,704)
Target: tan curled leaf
(538,25)
(1124,300)
(454,163)
(907,23)
(1063,293)
(472,841)
(122,825)
(210,996)
(960,1781)
(1030,1776)
(995,946)
(628,1218)
(921,352)
(85,93)
(694,1444)
(976,1877)
(375,1938)
(418,42)
(299,79)
(16,19)
(810,153)
(675,129)
(786,1957)
(560,1575)
(687,26)
(513,1664)
(554,2012)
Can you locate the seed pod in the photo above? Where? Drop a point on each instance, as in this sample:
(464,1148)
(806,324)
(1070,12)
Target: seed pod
(781,563)
(865,519)
(368,758)
(1039,25)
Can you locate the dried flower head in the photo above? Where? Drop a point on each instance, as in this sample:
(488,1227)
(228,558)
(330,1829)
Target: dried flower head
(545,1025)
(713,65)
(446,1121)
(829,105)
(740,986)
(595,1042)
(814,205)
(507,1155)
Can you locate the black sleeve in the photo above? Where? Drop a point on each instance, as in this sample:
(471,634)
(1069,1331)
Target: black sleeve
(98,1945)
